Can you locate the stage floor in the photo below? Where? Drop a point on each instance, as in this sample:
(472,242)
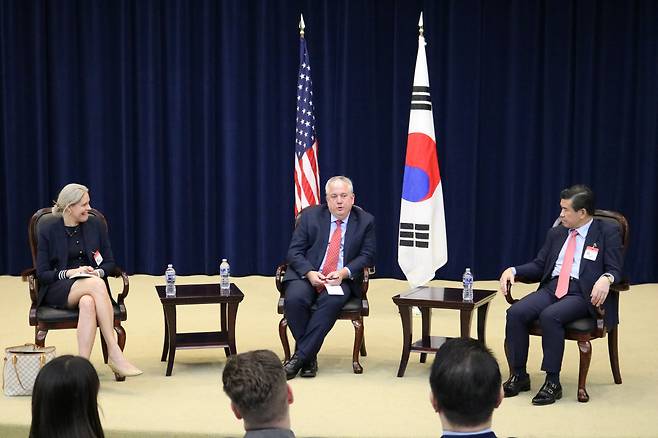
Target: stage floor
(339,403)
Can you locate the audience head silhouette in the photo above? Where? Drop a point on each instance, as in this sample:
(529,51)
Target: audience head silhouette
(64,400)
(256,384)
(465,385)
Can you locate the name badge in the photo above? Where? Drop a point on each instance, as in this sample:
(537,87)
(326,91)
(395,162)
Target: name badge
(591,252)
(98,258)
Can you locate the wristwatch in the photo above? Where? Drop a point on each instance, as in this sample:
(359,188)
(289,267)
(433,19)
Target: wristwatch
(610,278)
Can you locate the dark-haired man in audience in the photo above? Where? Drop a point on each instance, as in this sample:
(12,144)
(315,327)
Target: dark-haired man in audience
(256,384)
(466,388)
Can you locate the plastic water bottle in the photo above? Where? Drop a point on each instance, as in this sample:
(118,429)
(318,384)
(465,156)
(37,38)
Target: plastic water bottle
(224,278)
(467,295)
(170,279)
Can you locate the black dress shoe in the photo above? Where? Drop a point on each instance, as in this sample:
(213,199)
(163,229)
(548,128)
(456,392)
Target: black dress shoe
(292,367)
(515,384)
(548,393)
(310,368)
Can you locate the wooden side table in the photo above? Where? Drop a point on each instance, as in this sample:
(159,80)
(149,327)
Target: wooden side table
(187,294)
(428,298)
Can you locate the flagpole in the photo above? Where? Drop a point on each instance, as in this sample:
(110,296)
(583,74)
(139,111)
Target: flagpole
(422,243)
(307,170)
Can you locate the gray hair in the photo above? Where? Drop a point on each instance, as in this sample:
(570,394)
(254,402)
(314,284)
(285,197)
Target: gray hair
(341,178)
(69,195)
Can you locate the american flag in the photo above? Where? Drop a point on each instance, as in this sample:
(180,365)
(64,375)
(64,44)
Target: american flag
(307,172)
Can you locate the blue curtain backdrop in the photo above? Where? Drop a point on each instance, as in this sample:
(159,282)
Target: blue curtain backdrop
(179,115)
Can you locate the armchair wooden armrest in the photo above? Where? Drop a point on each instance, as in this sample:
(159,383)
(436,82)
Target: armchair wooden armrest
(116,273)
(27,273)
(30,275)
(622,286)
(278,279)
(508,297)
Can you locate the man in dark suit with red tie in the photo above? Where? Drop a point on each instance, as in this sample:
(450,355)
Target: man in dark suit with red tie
(330,246)
(576,266)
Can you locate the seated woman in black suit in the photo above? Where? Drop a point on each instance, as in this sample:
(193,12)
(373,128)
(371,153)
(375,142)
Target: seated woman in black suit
(73,258)
(64,400)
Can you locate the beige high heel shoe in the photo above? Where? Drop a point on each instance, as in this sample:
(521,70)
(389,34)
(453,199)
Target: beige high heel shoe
(123,372)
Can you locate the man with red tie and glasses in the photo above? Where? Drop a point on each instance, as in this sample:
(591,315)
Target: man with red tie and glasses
(579,261)
(329,248)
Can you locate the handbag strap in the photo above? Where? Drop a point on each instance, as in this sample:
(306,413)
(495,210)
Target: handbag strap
(13,362)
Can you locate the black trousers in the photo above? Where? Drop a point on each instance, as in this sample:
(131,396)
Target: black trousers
(553,314)
(309,327)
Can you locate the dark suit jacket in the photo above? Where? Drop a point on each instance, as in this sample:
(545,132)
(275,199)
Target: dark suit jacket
(52,249)
(269,433)
(607,238)
(311,237)
(472,435)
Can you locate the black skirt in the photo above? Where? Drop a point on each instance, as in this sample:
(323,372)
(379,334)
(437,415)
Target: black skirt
(57,294)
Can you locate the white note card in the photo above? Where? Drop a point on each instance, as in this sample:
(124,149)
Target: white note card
(334,290)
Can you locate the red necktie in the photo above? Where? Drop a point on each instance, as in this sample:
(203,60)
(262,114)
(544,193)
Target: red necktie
(331,259)
(567,262)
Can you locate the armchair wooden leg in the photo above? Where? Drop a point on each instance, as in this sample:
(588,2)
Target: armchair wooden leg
(509,364)
(585,348)
(613,351)
(121,336)
(364,353)
(104,348)
(283,326)
(40,336)
(358,341)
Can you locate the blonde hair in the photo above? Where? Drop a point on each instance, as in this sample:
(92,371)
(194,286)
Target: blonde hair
(69,195)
